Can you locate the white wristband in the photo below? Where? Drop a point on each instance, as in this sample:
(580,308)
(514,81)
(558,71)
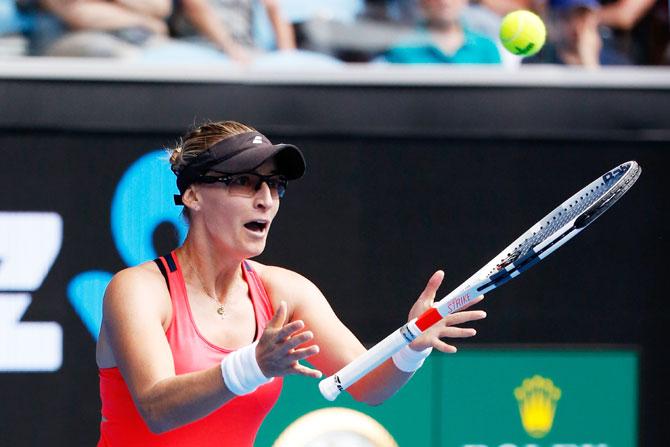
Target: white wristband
(409,360)
(241,372)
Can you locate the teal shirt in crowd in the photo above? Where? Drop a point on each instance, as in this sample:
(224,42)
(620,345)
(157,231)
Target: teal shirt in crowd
(420,49)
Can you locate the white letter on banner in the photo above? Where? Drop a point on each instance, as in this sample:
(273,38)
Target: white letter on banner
(30,246)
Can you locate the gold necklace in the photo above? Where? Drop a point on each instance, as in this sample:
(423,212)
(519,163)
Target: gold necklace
(220,307)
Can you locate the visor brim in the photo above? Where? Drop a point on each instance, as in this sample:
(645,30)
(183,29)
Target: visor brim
(288,159)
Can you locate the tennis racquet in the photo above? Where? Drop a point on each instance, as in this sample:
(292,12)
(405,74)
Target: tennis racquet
(554,230)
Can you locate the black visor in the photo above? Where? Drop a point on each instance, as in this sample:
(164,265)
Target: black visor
(241,153)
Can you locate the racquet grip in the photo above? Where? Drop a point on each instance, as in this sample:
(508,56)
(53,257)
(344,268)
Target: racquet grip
(332,386)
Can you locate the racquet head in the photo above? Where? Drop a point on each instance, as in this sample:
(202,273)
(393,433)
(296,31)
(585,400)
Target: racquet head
(561,224)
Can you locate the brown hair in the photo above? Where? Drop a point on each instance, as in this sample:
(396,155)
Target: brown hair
(200,139)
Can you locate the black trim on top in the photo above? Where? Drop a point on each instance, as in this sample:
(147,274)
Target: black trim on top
(161,267)
(170,262)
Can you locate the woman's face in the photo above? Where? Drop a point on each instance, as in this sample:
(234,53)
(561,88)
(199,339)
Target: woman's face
(237,224)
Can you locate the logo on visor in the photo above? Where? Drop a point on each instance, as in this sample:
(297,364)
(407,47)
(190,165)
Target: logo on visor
(258,139)
(537,398)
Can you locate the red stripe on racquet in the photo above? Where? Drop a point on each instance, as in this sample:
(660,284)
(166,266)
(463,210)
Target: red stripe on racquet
(428,318)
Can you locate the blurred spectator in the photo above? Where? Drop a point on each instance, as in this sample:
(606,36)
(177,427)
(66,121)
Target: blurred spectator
(15,23)
(638,28)
(100,28)
(398,11)
(351,30)
(408,11)
(444,38)
(228,25)
(485,16)
(624,14)
(574,37)
(504,7)
(631,30)
(478,16)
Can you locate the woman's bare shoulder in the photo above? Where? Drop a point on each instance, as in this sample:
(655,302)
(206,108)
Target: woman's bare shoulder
(144,283)
(135,297)
(142,275)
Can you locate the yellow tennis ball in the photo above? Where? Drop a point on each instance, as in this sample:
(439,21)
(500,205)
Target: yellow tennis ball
(522,33)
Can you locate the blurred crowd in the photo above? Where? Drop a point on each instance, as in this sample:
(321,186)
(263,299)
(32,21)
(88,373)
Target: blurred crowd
(589,33)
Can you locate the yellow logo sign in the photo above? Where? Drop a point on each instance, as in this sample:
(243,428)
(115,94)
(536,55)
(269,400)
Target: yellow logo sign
(537,398)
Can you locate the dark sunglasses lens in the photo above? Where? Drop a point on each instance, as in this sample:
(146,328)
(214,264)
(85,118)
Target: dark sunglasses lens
(277,186)
(241,185)
(248,184)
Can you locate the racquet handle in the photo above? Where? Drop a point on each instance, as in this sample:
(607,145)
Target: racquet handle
(332,386)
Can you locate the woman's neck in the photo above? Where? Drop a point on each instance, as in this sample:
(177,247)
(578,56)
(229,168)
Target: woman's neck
(206,267)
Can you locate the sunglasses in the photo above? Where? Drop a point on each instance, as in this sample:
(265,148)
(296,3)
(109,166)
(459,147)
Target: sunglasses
(247,184)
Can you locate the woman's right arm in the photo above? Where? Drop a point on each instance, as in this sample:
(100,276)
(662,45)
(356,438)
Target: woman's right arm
(135,310)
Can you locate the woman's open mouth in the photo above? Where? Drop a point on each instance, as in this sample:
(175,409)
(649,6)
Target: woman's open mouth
(257,226)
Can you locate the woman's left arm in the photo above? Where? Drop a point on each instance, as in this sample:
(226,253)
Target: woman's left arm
(338,346)
(284,33)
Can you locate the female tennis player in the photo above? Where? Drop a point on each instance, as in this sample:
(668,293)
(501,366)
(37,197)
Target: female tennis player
(194,345)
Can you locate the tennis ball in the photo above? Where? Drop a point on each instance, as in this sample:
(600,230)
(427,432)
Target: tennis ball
(522,33)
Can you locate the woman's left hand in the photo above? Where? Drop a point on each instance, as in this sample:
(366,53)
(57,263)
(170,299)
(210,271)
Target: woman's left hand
(445,328)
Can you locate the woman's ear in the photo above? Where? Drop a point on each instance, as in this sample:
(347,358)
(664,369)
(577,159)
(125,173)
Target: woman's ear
(191,198)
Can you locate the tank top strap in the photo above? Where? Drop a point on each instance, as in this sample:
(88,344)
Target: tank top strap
(169,268)
(181,330)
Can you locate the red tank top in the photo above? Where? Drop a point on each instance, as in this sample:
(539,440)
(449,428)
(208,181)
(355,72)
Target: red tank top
(234,424)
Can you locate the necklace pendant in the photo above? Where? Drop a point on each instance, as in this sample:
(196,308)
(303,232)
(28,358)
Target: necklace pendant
(221,311)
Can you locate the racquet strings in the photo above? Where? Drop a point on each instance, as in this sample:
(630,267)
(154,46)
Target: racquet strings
(606,190)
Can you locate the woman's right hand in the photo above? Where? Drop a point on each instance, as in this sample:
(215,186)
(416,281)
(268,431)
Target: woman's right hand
(277,352)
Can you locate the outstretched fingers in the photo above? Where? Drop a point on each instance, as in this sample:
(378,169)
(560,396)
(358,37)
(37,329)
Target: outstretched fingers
(279,318)
(428,294)
(427,297)
(282,346)
(444,347)
(287,331)
(294,356)
(303,353)
(456,332)
(298,339)
(303,370)
(464,317)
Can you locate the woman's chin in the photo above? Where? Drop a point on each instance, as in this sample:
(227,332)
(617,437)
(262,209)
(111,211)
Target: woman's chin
(255,249)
